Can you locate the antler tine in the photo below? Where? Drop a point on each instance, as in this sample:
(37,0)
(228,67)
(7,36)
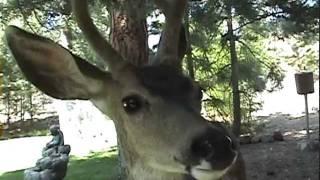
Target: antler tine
(168,48)
(93,36)
(162,4)
(172,7)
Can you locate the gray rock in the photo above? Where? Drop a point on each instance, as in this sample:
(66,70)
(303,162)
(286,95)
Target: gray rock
(245,139)
(48,152)
(267,139)
(30,174)
(44,163)
(311,145)
(277,136)
(256,139)
(303,146)
(65,149)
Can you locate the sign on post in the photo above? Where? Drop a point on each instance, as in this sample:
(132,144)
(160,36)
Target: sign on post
(305,86)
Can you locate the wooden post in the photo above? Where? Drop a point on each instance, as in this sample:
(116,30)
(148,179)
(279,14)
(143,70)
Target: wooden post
(304,84)
(307,115)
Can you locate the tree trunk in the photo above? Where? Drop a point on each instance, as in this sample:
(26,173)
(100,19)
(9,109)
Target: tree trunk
(8,108)
(129,38)
(234,76)
(190,65)
(21,109)
(129,35)
(31,112)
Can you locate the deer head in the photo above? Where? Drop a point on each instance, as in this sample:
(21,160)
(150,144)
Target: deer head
(155,108)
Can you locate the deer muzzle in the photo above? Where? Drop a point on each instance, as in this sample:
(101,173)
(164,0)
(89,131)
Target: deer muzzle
(211,153)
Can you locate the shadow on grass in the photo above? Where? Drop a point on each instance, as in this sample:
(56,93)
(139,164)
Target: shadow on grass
(96,166)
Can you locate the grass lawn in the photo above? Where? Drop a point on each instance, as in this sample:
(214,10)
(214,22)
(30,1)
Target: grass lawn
(97,166)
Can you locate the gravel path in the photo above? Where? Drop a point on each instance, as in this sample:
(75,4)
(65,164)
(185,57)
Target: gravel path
(284,160)
(21,153)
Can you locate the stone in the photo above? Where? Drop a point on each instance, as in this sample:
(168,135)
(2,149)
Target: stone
(245,139)
(54,162)
(256,139)
(31,175)
(267,139)
(57,140)
(44,163)
(277,136)
(311,145)
(64,149)
(303,145)
(271,173)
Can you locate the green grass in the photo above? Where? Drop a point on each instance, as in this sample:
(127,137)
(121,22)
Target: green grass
(97,166)
(21,134)
(16,175)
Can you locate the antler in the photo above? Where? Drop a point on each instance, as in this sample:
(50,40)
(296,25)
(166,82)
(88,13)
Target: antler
(168,51)
(93,36)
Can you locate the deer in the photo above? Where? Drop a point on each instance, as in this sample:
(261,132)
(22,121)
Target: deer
(155,108)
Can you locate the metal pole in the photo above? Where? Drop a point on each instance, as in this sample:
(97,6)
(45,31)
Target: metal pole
(307,115)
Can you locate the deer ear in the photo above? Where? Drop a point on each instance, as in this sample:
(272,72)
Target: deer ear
(52,68)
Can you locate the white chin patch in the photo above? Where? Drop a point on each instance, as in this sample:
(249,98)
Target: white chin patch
(204,171)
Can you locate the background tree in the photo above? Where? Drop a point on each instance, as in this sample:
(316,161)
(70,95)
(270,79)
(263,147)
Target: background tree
(247,24)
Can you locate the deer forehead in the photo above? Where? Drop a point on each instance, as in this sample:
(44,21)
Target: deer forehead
(156,81)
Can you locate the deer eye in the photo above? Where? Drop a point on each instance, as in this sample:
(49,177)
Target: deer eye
(132,104)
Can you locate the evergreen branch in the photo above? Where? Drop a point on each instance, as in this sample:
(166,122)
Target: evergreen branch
(253,53)
(259,18)
(37,18)
(24,17)
(224,67)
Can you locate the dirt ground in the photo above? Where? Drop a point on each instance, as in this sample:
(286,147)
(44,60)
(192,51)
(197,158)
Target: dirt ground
(284,160)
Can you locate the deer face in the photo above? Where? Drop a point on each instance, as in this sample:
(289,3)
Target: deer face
(158,113)
(156,109)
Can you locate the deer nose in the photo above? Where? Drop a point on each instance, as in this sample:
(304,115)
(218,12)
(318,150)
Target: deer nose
(215,147)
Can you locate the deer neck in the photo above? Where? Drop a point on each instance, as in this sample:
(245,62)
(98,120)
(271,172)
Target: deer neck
(132,166)
(141,172)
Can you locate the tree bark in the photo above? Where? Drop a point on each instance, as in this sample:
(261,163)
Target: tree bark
(31,111)
(8,108)
(190,65)
(129,32)
(21,109)
(234,76)
(129,38)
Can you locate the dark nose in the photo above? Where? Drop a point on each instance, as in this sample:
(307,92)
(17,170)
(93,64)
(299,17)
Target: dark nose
(214,146)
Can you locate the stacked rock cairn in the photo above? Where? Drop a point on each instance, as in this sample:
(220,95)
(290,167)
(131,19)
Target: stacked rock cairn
(54,162)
